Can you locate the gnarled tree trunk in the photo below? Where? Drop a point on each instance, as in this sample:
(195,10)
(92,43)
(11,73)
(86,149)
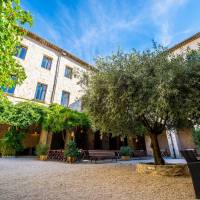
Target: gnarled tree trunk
(156,149)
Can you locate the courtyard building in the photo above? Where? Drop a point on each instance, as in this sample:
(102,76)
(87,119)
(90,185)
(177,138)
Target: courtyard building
(53,77)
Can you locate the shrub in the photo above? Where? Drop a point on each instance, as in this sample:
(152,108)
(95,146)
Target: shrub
(125,151)
(71,150)
(42,149)
(196,136)
(6,149)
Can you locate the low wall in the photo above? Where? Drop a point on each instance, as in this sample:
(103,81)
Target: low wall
(163,170)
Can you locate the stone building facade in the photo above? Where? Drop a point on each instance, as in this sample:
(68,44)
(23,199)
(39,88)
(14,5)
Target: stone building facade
(52,78)
(174,140)
(51,66)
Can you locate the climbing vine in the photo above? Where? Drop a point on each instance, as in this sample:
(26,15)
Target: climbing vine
(22,116)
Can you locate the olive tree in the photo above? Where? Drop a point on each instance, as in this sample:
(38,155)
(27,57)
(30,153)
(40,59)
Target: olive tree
(12,16)
(143,93)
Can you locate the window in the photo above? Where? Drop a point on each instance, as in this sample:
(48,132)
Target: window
(40,91)
(46,62)
(68,72)
(65,98)
(21,52)
(10,90)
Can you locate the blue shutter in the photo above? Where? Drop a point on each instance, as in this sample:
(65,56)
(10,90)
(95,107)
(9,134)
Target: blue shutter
(65,98)
(68,72)
(21,52)
(40,91)
(46,62)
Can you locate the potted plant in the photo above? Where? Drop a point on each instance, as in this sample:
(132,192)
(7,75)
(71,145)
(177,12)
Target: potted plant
(42,151)
(71,152)
(125,152)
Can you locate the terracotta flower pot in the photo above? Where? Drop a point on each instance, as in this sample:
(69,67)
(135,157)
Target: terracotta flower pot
(43,157)
(126,158)
(71,160)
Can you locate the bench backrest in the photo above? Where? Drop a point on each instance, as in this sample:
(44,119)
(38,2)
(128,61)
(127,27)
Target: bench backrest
(101,152)
(189,155)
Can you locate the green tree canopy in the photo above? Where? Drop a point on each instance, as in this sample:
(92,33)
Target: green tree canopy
(60,118)
(25,115)
(12,16)
(143,92)
(20,117)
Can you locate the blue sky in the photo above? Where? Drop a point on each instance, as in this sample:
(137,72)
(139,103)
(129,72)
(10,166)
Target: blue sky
(91,28)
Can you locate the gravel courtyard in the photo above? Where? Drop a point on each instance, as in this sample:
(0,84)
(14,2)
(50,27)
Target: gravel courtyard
(28,179)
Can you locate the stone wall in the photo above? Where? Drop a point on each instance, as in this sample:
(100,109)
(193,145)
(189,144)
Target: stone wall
(185,139)
(162,170)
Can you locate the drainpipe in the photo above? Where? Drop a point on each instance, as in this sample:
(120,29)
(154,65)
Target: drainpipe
(55,78)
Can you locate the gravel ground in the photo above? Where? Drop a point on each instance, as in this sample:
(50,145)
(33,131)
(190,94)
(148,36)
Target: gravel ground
(28,179)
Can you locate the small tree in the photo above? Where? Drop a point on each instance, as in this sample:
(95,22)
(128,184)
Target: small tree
(143,92)
(12,16)
(71,150)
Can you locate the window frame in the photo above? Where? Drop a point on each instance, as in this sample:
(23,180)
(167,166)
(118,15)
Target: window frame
(70,68)
(66,92)
(17,53)
(49,58)
(44,94)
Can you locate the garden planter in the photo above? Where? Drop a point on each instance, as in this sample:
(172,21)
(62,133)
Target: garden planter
(71,160)
(43,157)
(162,170)
(125,158)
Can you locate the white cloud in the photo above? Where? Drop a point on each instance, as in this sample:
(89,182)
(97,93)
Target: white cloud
(101,28)
(163,7)
(98,29)
(162,13)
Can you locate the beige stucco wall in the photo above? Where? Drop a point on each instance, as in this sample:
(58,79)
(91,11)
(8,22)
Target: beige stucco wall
(35,73)
(192,45)
(67,84)
(185,139)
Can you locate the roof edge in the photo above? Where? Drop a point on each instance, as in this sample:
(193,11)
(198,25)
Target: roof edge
(184,42)
(57,49)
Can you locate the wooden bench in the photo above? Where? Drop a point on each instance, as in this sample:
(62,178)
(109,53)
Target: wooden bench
(138,153)
(101,155)
(194,167)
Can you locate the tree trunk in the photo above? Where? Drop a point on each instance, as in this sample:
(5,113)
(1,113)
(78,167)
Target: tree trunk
(156,150)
